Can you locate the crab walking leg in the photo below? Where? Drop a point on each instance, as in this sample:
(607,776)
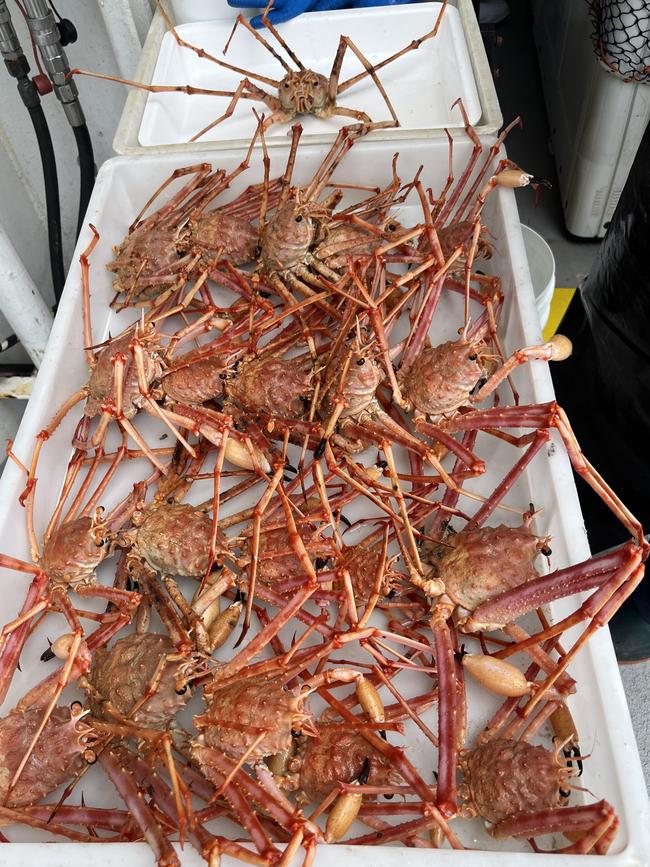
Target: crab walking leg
(200,52)
(606,573)
(97,817)
(257,644)
(471,194)
(540,657)
(395,833)
(404,767)
(239,93)
(258,36)
(26,498)
(549,415)
(30,816)
(503,487)
(596,819)
(373,599)
(153,408)
(76,647)
(269,798)
(85,294)
(258,512)
(448,715)
(412,46)
(473,463)
(153,88)
(622,588)
(426,731)
(13,639)
(555,350)
(236,96)
(239,803)
(123,782)
(200,170)
(594,480)
(333,86)
(205,843)
(443,207)
(399,496)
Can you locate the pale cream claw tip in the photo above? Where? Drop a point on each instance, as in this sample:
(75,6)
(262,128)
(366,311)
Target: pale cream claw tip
(513,178)
(496,675)
(562,347)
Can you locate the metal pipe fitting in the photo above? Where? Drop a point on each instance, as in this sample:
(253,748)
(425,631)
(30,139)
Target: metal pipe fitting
(45,32)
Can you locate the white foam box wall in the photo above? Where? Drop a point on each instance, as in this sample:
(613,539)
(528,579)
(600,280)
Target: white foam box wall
(613,770)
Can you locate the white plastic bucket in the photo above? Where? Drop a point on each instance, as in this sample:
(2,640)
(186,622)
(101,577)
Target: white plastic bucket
(190,11)
(541,263)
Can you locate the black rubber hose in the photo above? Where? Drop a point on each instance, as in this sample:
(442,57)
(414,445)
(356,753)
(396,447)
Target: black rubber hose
(50,179)
(19,69)
(8,342)
(86,170)
(17,369)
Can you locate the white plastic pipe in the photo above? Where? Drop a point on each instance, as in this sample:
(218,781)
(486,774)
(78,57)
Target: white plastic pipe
(21,302)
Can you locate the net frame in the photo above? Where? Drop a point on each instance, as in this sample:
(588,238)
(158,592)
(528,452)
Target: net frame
(621,37)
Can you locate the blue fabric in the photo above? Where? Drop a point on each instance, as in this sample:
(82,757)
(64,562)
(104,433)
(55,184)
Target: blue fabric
(284,10)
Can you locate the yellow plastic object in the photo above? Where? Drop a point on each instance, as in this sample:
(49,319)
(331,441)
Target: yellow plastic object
(559,303)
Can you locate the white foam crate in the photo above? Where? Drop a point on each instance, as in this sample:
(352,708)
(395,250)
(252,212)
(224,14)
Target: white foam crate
(613,771)
(422,85)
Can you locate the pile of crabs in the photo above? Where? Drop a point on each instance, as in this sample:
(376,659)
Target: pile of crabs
(305,555)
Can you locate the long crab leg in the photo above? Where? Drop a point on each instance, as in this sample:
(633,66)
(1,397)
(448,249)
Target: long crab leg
(443,207)
(448,713)
(590,574)
(412,46)
(541,437)
(123,782)
(201,172)
(239,93)
(187,89)
(41,817)
(404,767)
(549,415)
(204,54)
(76,648)
(333,87)
(258,512)
(596,819)
(599,613)
(490,156)
(15,634)
(276,33)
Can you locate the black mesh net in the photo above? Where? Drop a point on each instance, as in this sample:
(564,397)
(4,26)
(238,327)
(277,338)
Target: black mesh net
(622,36)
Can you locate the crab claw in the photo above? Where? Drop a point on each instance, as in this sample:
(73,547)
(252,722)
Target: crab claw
(238,453)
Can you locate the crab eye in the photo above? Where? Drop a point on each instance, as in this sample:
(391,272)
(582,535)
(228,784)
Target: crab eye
(546,551)
(223,376)
(299,218)
(182,690)
(473,357)
(286,85)
(391,227)
(361,361)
